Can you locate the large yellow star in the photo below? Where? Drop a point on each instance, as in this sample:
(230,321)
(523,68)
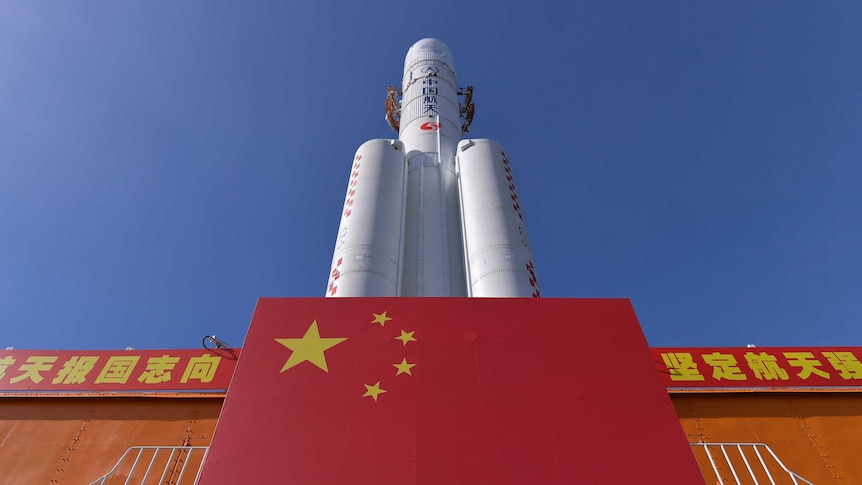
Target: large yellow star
(404,368)
(310,347)
(373,391)
(406,337)
(380,318)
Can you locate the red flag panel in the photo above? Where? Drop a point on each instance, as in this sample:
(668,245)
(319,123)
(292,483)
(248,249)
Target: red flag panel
(447,390)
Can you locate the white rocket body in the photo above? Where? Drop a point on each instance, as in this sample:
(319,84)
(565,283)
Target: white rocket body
(429,214)
(368,249)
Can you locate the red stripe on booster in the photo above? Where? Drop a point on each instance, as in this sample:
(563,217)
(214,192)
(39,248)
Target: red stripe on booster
(534,282)
(335,275)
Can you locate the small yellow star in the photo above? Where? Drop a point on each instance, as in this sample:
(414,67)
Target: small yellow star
(403,368)
(406,337)
(373,391)
(310,347)
(380,318)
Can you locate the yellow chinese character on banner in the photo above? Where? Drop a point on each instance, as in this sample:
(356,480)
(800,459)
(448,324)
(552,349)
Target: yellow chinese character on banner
(5,362)
(117,369)
(158,369)
(31,370)
(807,362)
(75,370)
(681,366)
(765,366)
(846,363)
(202,368)
(724,366)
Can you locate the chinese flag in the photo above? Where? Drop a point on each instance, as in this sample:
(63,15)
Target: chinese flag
(438,391)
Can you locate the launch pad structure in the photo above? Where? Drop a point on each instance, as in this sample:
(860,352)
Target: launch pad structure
(443,364)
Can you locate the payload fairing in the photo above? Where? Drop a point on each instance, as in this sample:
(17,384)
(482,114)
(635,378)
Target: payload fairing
(430,214)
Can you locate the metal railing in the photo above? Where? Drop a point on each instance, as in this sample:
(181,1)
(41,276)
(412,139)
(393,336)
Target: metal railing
(173,466)
(759,470)
(175,461)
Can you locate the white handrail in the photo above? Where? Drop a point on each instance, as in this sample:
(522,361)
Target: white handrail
(170,462)
(740,448)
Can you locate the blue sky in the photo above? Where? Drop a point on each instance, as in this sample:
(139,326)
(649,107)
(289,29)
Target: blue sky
(164,164)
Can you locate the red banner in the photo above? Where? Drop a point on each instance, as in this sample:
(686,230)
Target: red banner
(116,370)
(421,391)
(777,367)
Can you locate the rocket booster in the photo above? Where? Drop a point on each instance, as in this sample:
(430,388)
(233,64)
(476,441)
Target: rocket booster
(430,214)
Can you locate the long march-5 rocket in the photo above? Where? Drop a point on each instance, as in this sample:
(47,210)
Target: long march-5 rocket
(430,214)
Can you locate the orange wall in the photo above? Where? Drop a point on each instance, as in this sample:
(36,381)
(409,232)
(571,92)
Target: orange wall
(816,434)
(74,440)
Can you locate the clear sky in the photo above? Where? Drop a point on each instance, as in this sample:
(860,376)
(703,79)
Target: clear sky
(164,164)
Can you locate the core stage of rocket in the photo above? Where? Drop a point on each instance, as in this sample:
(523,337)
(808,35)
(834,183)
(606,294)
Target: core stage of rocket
(430,214)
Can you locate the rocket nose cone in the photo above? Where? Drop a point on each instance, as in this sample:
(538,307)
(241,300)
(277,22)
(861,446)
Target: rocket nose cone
(433,47)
